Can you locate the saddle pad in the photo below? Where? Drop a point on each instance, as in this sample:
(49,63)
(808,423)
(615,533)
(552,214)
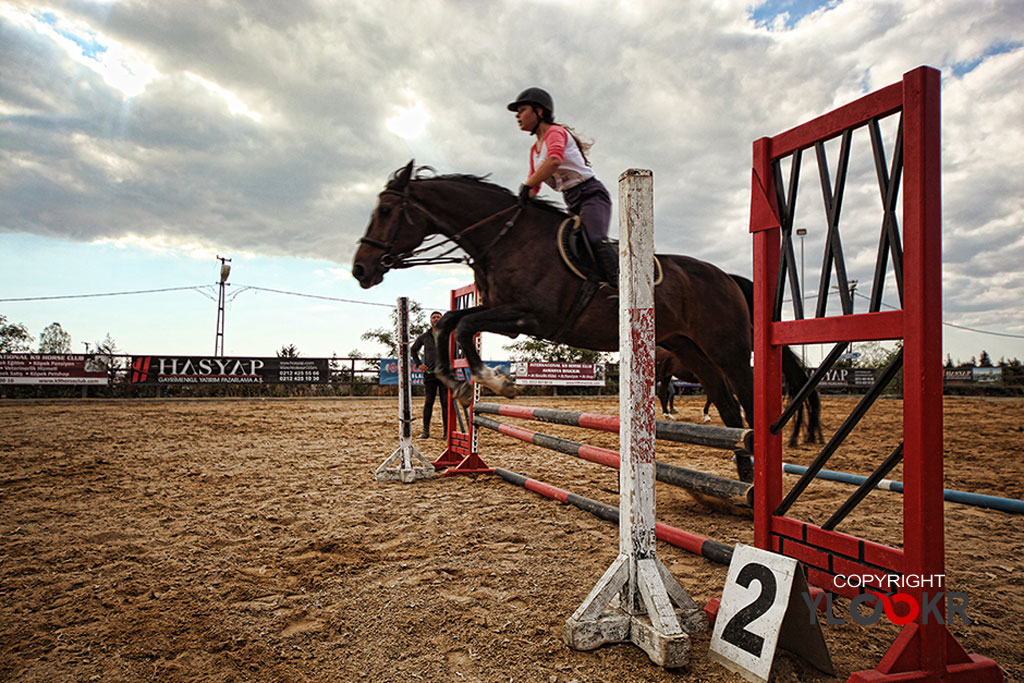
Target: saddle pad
(576,254)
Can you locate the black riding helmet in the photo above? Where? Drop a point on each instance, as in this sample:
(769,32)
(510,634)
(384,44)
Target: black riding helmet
(537,97)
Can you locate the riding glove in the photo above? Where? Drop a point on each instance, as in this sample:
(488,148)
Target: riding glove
(524,194)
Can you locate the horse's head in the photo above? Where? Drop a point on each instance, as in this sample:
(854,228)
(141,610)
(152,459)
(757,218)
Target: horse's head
(468,213)
(394,231)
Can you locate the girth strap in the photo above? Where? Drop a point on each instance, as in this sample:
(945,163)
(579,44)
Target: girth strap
(584,295)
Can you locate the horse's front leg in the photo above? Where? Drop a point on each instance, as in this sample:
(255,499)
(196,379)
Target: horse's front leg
(503,320)
(444,371)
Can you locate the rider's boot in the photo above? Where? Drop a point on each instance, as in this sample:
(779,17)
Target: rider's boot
(607,256)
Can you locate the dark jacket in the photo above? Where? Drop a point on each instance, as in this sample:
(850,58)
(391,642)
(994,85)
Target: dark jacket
(426,342)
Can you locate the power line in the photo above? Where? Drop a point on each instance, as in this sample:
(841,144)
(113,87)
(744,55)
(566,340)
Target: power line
(197,288)
(316,296)
(895,308)
(996,334)
(88,296)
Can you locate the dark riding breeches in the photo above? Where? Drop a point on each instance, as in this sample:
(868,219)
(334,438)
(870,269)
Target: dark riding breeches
(591,202)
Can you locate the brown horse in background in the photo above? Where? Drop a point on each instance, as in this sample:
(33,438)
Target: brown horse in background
(701,313)
(667,367)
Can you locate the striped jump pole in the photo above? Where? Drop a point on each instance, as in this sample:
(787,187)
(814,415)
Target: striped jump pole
(738,496)
(637,600)
(715,551)
(965,497)
(709,549)
(399,466)
(713,436)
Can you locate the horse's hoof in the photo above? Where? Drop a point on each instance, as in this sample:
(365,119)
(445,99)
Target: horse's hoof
(745,468)
(508,389)
(464,394)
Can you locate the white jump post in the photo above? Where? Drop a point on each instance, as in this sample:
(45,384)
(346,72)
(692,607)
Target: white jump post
(637,600)
(405,470)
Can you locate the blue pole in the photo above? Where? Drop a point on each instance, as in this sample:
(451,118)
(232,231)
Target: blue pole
(977,499)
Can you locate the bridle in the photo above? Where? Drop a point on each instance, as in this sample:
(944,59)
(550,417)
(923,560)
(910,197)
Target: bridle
(389,260)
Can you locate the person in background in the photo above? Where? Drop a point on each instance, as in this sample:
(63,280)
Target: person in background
(559,158)
(431,385)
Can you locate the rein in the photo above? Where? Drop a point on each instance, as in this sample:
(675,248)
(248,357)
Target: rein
(390,261)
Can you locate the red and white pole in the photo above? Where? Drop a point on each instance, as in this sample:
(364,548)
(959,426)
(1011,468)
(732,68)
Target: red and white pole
(637,600)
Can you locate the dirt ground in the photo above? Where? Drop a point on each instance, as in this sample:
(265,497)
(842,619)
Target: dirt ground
(245,540)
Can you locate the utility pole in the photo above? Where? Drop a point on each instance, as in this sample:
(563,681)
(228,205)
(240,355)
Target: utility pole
(225,271)
(85,387)
(801,233)
(853,305)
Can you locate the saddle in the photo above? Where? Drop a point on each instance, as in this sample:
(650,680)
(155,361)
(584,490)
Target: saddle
(578,256)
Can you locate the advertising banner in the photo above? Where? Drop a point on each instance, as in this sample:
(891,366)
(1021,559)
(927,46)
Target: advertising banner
(389,371)
(236,370)
(560,374)
(970,376)
(987,375)
(958,377)
(849,378)
(51,368)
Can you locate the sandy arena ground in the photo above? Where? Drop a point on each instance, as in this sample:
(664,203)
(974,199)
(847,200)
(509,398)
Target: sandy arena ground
(247,540)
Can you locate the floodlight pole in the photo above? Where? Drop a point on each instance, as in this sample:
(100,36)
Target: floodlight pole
(225,271)
(802,232)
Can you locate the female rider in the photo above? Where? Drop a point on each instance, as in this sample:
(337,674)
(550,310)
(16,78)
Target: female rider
(559,159)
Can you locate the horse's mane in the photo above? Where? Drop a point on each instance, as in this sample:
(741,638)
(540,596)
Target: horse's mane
(428,174)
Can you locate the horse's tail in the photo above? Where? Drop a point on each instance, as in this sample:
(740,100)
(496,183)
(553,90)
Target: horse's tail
(793,372)
(796,376)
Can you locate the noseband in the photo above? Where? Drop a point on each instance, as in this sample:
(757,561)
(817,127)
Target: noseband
(390,260)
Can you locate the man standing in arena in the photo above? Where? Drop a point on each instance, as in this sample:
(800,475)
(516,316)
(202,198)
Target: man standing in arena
(431,385)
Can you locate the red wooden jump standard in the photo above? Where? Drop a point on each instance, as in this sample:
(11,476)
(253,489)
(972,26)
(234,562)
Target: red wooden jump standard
(922,651)
(461,456)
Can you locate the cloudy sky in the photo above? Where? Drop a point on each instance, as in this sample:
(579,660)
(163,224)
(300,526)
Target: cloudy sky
(140,140)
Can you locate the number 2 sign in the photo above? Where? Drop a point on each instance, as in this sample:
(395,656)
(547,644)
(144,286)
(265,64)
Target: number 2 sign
(760,601)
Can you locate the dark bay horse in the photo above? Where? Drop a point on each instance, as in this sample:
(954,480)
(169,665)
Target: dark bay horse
(701,313)
(666,367)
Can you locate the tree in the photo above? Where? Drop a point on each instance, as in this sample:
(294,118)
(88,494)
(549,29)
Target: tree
(53,339)
(388,337)
(105,355)
(985,361)
(107,347)
(874,354)
(14,338)
(288,351)
(538,350)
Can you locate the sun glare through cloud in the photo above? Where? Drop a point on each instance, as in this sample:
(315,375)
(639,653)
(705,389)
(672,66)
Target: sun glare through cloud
(235,105)
(409,122)
(121,67)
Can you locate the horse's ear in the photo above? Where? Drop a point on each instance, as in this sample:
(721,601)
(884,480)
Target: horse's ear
(405,174)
